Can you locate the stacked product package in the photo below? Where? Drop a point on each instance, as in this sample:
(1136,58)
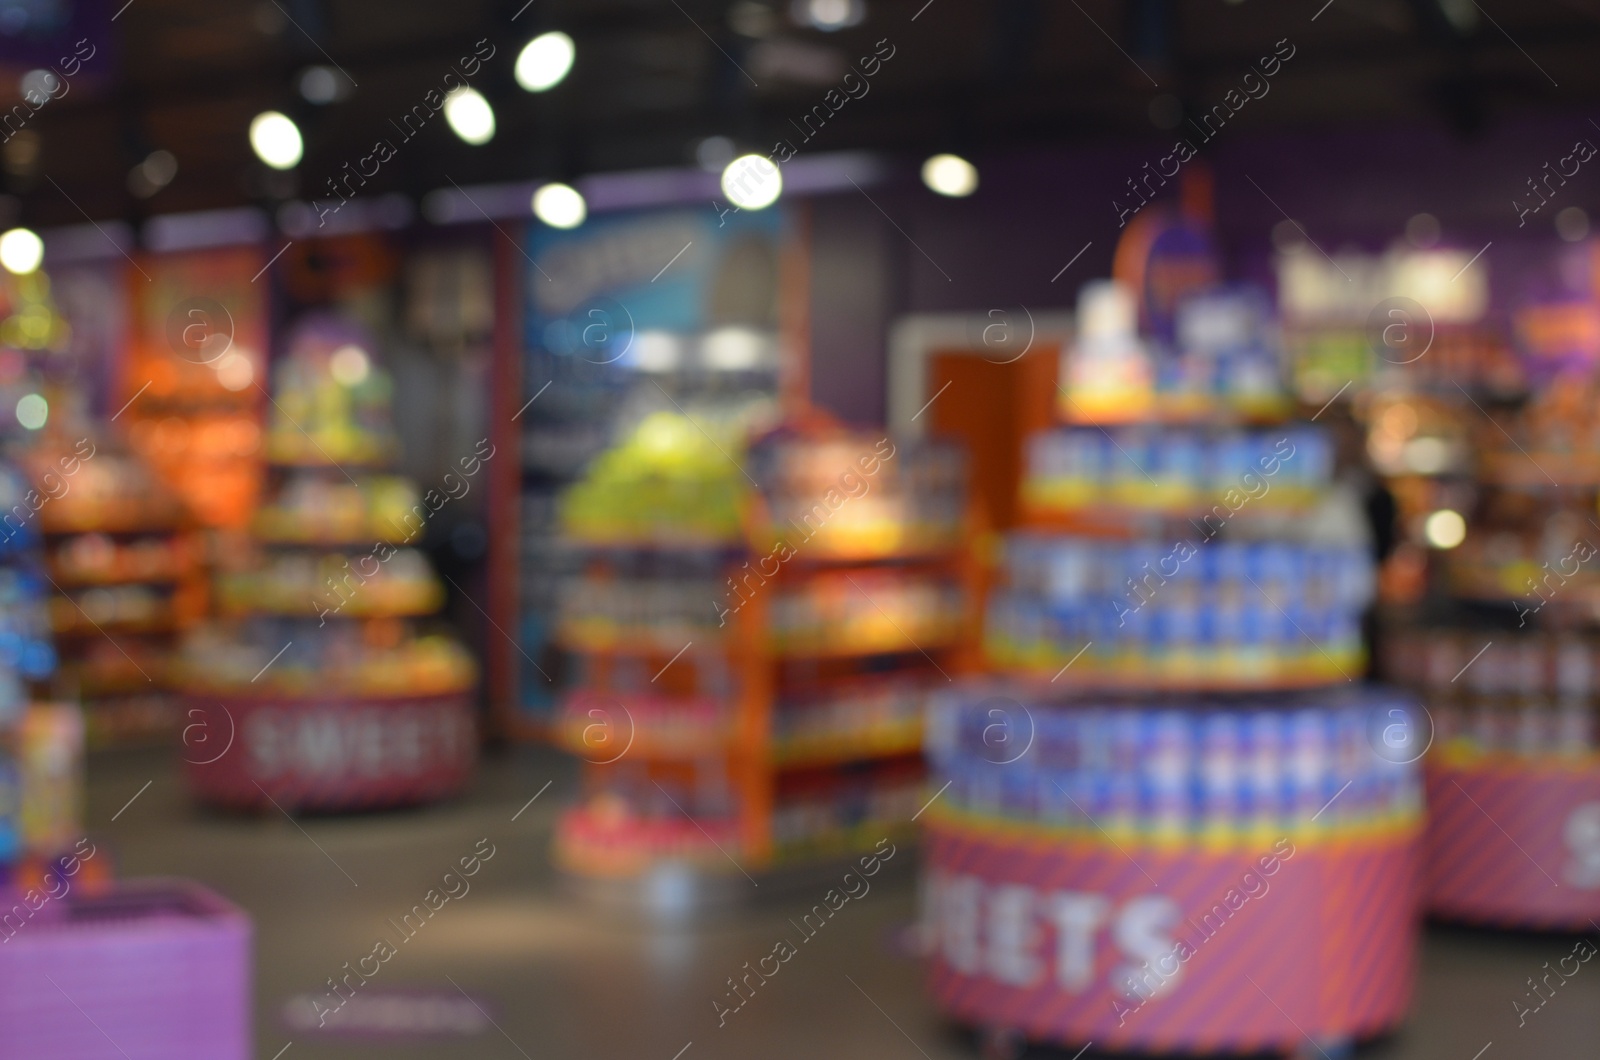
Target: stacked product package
(1179,822)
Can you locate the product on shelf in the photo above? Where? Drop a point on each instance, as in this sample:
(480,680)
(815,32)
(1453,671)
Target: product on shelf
(868,612)
(315,688)
(378,658)
(1192,766)
(826,812)
(316,510)
(869,717)
(671,481)
(624,369)
(297,583)
(95,486)
(834,498)
(330,401)
(654,724)
(608,838)
(1187,614)
(50,753)
(1220,361)
(662,604)
(1182,472)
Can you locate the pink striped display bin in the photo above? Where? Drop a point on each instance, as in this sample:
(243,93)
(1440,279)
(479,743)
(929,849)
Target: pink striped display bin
(1513,842)
(1047,935)
(151,970)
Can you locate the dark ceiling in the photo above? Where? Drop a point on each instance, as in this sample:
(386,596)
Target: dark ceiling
(654,76)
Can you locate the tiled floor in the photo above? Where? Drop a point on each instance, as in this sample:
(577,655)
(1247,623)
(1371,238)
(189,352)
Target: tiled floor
(560,979)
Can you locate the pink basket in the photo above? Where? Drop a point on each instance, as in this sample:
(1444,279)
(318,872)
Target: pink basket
(152,969)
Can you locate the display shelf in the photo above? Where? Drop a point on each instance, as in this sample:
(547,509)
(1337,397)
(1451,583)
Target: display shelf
(1541,471)
(41,743)
(302,456)
(91,628)
(641,641)
(1177,623)
(1516,737)
(727,718)
(122,551)
(189,403)
(1499,641)
(314,689)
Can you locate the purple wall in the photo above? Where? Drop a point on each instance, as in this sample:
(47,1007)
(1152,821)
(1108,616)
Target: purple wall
(1035,210)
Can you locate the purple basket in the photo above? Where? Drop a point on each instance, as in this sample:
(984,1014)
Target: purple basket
(152,969)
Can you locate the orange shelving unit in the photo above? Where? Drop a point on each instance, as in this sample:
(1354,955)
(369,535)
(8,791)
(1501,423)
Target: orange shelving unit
(780,724)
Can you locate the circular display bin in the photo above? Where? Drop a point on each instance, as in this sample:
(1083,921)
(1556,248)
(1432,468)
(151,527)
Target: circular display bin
(327,753)
(1513,842)
(1233,945)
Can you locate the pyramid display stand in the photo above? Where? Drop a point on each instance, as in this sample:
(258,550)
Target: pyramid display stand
(748,698)
(1172,826)
(316,691)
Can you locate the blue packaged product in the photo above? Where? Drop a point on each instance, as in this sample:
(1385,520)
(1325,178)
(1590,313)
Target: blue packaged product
(10,809)
(1194,763)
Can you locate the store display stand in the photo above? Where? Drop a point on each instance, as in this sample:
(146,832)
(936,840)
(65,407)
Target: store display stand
(1503,648)
(700,706)
(314,693)
(1134,774)
(128,582)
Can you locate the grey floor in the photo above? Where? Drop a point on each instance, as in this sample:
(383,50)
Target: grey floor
(560,979)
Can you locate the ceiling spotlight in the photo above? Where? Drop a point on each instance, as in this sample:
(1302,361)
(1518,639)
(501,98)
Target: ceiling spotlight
(714,153)
(32,411)
(469,115)
(40,86)
(1572,224)
(950,175)
(752,182)
(21,251)
(276,140)
(153,174)
(545,60)
(1462,14)
(320,84)
(235,372)
(749,18)
(1422,230)
(350,365)
(828,15)
(560,206)
(1445,529)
